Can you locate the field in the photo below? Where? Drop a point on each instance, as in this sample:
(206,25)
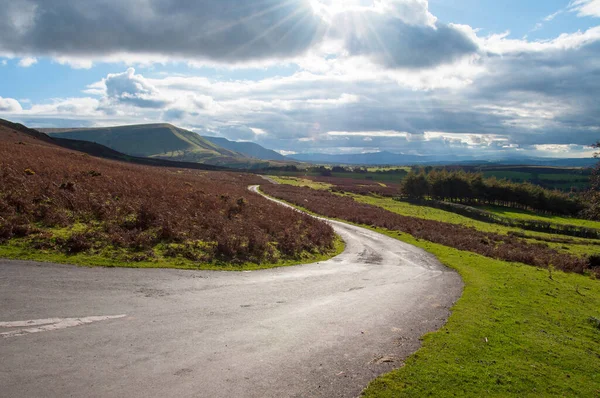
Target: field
(517,330)
(527,215)
(561,178)
(61,205)
(548,177)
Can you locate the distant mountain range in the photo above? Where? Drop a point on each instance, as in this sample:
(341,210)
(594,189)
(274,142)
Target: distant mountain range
(394,159)
(165,141)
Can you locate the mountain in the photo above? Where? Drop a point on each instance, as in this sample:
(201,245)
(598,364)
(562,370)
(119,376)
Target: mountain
(161,141)
(250,149)
(27,135)
(388,158)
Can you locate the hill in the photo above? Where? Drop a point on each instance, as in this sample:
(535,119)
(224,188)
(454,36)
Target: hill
(25,134)
(61,205)
(250,149)
(160,141)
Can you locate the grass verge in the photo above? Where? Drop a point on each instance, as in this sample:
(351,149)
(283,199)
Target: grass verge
(18,249)
(516,331)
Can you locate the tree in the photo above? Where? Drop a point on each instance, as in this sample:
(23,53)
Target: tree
(593,196)
(415,186)
(596,173)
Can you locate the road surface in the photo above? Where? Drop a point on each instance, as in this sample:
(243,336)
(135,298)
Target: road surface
(319,330)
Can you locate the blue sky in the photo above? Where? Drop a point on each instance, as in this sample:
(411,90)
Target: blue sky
(447,77)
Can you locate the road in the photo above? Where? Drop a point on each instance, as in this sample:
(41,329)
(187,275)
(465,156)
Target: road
(318,330)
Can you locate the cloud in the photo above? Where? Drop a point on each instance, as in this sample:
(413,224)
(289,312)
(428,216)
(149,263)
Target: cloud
(10,105)
(552,16)
(227,30)
(368,134)
(27,62)
(387,76)
(585,8)
(394,33)
(402,40)
(129,88)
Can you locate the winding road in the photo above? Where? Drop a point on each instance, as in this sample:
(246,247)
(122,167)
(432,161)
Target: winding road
(318,330)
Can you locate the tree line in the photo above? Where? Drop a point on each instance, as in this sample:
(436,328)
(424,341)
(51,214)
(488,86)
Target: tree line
(474,189)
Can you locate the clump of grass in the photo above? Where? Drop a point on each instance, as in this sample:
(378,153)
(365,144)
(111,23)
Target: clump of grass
(595,322)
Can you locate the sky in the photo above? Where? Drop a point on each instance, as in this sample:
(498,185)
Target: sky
(442,77)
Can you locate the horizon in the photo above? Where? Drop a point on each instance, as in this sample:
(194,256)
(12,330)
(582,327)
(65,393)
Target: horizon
(407,77)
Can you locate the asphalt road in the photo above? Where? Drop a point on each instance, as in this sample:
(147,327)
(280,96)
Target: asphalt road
(319,330)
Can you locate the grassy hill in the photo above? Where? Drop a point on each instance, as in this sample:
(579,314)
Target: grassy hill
(25,134)
(163,141)
(247,148)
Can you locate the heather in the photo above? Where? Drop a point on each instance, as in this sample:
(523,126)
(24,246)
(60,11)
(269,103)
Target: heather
(503,247)
(60,201)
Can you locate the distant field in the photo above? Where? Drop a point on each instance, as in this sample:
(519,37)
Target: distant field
(527,215)
(557,178)
(370,176)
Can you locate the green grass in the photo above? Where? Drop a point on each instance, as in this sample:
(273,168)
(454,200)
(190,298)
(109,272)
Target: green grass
(430,213)
(301,182)
(517,331)
(19,249)
(527,215)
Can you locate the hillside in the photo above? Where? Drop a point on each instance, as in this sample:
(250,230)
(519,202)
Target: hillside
(63,205)
(25,134)
(250,149)
(162,141)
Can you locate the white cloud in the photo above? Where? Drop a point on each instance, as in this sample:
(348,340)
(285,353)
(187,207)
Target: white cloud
(258,131)
(10,105)
(368,134)
(133,89)
(27,62)
(465,138)
(586,8)
(552,16)
(4,62)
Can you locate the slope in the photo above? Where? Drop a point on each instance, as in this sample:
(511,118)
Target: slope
(18,133)
(163,141)
(247,148)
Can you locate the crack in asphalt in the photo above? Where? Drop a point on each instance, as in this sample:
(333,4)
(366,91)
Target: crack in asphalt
(316,330)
